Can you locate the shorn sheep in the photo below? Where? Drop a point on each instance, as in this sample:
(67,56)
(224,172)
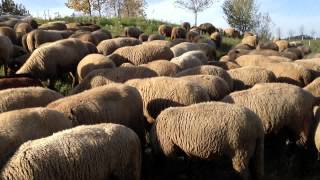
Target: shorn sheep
(103,151)
(19,126)
(177,92)
(204,131)
(19,98)
(114,103)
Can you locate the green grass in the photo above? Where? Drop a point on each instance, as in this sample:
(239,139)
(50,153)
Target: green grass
(226,45)
(314,44)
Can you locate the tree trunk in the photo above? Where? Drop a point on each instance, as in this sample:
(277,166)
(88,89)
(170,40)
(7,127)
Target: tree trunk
(99,8)
(89,10)
(195,18)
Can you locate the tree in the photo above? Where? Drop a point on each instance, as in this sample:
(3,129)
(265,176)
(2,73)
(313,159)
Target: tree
(263,27)
(241,14)
(313,33)
(8,6)
(195,6)
(84,6)
(279,32)
(133,8)
(98,5)
(301,29)
(291,34)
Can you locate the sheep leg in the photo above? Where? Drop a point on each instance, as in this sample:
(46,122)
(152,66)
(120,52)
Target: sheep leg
(240,163)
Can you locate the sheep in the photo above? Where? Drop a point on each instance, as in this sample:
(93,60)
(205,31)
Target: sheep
(186,26)
(17,82)
(216,87)
(85,36)
(58,57)
(231,32)
(207,28)
(163,67)
(288,72)
(6,50)
(282,44)
(205,131)
(217,38)
(19,126)
(153,37)
(226,65)
(178,32)
(246,34)
(184,47)
(250,40)
(132,32)
(193,36)
(102,77)
(159,43)
(177,92)
(101,35)
(27,97)
(265,52)
(248,76)
(141,54)
(37,37)
(53,26)
(208,70)
(21,29)
(280,106)
(190,59)
(165,30)
(104,104)
(10,33)
(311,64)
(314,87)
(107,47)
(92,62)
(295,51)
(100,151)
(268,45)
(143,37)
(312,55)
(176,42)
(236,52)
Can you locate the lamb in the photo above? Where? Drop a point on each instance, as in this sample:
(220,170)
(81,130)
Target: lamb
(141,54)
(177,92)
(248,76)
(19,126)
(92,62)
(58,57)
(19,98)
(216,87)
(280,106)
(163,67)
(113,103)
(101,77)
(205,131)
(108,46)
(17,82)
(190,59)
(110,150)
(208,70)
(314,87)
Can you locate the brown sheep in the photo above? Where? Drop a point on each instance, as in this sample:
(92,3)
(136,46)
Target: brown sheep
(6,50)
(248,76)
(132,32)
(207,28)
(177,92)
(101,77)
(231,32)
(186,26)
(21,29)
(226,65)
(104,104)
(53,26)
(18,82)
(153,37)
(163,67)
(178,32)
(311,64)
(92,62)
(101,35)
(10,33)
(107,47)
(208,70)
(19,126)
(141,54)
(250,40)
(143,37)
(110,150)
(246,34)
(205,131)
(314,87)
(165,30)
(282,44)
(268,45)
(217,38)
(86,37)
(265,52)
(280,106)
(192,36)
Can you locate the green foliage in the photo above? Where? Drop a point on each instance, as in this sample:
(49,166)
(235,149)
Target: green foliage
(10,7)
(226,45)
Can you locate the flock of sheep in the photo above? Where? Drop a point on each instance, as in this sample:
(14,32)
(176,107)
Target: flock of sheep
(141,98)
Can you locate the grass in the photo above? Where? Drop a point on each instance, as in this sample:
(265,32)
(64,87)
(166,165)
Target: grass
(314,44)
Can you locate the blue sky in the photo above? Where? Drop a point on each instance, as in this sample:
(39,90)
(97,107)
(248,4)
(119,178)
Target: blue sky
(286,14)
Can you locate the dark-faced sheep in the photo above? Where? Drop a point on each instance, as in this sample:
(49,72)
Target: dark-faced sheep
(110,150)
(204,131)
(107,47)
(19,126)
(104,104)
(178,32)
(186,26)
(132,32)
(281,107)
(165,30)
(101,77)
(6,50)
(19,98)
(143,37)
(141,54)
(177,92)
(207,28)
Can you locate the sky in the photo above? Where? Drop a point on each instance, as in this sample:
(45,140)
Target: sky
(285,14)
